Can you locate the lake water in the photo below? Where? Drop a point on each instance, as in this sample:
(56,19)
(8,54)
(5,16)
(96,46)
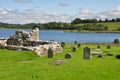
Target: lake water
(68,37)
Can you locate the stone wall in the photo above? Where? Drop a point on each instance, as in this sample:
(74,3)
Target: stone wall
(23,40)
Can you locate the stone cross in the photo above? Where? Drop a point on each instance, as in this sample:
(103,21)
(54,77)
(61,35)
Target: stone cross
(86,53)
(50,53)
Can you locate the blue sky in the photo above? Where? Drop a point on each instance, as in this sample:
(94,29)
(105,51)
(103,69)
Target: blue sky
(42,11)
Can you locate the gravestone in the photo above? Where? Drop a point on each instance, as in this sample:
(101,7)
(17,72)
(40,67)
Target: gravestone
(108,47)
(50,53)
(68,56)
(117,56)
(98,46)
(86,53)
(100,56)
(62,44)
(109,54)
(79,45)
(75,42)
(74,49)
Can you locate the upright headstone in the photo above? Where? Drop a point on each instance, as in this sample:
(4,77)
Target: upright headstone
(74,49)
(79,45)
(98,46)
(86,53)
(68,56)
(108,47)
(75,42)
(62,44)
(50,53)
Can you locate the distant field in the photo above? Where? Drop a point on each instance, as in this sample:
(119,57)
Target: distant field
(111,25)
(15,65)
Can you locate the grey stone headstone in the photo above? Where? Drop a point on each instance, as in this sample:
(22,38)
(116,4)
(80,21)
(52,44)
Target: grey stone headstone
(86,53)
(68,56)
(50,53)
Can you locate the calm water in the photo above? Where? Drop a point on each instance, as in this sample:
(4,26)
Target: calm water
(69,36)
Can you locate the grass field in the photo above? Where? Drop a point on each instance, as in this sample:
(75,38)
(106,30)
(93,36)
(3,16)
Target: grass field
(15,65)
(111,25)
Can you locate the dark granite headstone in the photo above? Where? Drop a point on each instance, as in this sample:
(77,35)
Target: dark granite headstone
(68,56)
(62,44)
(108,47)
(50,53)
(86,53)
(98,46)
(74,49)
(79,45)
(100,56)
(118,56)
(75,42)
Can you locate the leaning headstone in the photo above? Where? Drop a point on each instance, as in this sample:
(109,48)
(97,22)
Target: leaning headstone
(79,45)
(68,56)
(108,47)
(74,49)
(86,53)
(98,46)
(118,56)
(50,53)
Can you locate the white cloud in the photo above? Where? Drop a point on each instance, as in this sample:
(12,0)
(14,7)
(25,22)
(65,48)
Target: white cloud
(84,12)
(112,13)
(32,16)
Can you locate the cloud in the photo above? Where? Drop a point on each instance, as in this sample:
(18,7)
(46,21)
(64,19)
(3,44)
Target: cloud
(85,12)
(23,1)
(33,16)
(112,13)
(64,4)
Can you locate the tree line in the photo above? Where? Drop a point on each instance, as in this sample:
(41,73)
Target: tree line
(91,26)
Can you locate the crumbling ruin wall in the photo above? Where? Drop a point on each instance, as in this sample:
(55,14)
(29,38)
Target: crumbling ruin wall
(23,40)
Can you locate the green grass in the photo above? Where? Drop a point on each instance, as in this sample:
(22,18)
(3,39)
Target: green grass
(111,25)
(15,65)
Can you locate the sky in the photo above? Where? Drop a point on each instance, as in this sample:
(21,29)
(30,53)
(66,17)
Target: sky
(43,11)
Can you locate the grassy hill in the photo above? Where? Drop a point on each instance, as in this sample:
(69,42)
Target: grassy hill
(112,26)
(15,65)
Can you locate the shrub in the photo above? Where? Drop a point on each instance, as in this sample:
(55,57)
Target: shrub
(116,41)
